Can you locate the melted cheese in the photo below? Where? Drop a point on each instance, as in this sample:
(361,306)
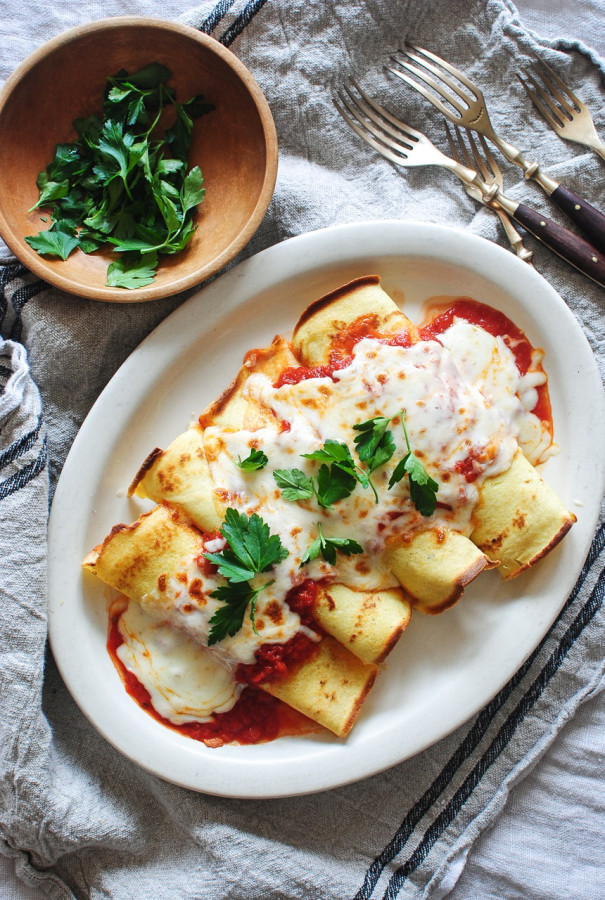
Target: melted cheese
(463,398)
(184,682)
(191,607)
(488,363)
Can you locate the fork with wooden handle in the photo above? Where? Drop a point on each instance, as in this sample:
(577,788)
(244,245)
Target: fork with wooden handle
(432,77)
(491,174)
(405,146)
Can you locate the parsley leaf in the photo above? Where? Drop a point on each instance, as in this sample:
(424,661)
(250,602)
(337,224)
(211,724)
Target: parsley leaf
(337,480)
(228,619)
(333,484)
(132,273)
(255,460)
(294,484)
(192,191)
(53,242)
(423,488)
(327,547)
(251,547)
(375,444)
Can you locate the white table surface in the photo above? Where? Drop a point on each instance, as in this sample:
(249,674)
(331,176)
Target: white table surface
(507,862)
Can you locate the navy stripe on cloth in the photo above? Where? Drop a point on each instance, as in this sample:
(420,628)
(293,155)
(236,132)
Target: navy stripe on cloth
(242,21)
(7,274)
(20,297)
(474,736)
(23,477)
(19,447)
(218,13)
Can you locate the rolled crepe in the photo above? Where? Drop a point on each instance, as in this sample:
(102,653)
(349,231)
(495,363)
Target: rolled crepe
(141,560)
(519,518)
(433,567)
(137,559)
(329,688)
(368,623)
(180,476)
(325,323)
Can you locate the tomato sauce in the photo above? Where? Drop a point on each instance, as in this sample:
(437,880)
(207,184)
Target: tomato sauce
(499,325)
(342,354)
(256,717)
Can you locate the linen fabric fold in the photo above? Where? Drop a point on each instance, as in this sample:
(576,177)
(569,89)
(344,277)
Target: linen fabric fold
(79,819)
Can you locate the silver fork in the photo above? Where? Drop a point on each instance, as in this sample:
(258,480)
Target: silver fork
(485,163)
(561,108)
(405,146)
(431,76)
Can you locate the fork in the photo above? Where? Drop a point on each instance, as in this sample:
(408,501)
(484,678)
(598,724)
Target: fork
(491,174)
(470,111)
(405,146)
(560,107)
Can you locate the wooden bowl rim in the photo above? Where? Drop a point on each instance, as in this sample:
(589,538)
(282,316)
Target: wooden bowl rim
(36,263)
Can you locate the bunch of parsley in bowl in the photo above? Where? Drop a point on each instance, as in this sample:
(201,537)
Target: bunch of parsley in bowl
(125,181)
(65,81)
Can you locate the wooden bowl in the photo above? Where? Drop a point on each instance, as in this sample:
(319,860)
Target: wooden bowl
(235,145)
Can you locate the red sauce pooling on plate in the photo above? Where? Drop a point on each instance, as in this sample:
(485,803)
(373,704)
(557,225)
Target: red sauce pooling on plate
(256,717)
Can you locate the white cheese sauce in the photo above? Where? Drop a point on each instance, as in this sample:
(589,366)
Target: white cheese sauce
(184,682)
(488,363)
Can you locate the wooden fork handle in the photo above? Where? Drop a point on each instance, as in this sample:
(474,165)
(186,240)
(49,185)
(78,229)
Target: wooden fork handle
(573,249)
(588,219)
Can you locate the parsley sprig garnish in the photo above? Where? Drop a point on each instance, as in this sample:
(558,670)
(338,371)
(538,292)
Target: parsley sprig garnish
(122,183)
(251,549)
(328,546)
(336,478)
(376,446)
(423,488)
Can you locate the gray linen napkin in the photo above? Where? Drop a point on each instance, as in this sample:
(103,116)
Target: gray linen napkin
(82,821)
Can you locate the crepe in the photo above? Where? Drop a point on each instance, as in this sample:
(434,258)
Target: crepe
(144,559)
(518,518)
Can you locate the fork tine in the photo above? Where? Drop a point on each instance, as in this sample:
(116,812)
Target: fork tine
(371,107)
(416,54)
(376,126)
(371,123)
(462,78)
(368,138)
(454,149)
(563,110)
(563,88)
(422,90)
(552,118)
(490,159)
(432,82)
(458,148)
(478,160)
(362,132)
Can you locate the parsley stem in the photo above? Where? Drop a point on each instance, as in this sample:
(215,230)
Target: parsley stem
(405,431)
